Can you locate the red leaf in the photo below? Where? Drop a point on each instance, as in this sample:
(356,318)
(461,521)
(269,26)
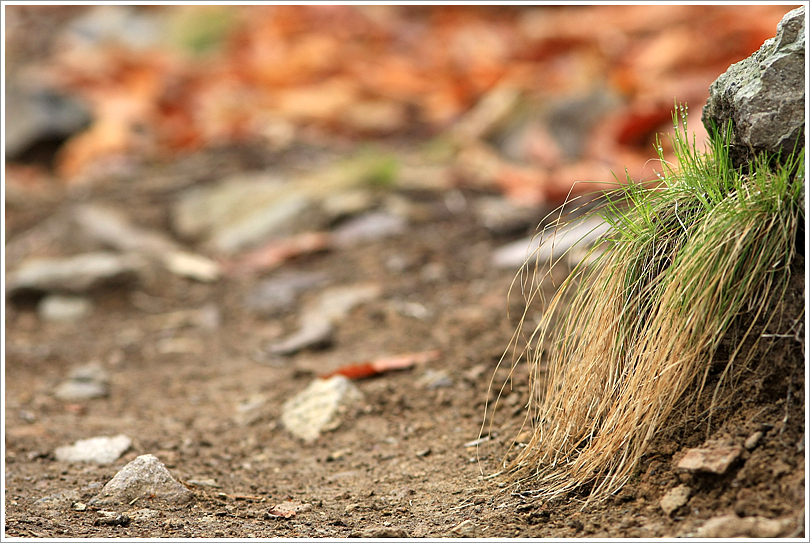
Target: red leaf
(276,252)
(381,365)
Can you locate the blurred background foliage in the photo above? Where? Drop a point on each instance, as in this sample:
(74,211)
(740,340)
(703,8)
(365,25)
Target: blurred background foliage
(527,100)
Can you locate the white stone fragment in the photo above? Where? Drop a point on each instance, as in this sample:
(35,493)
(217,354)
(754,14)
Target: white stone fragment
(57,307)
(317,408)
(100,450)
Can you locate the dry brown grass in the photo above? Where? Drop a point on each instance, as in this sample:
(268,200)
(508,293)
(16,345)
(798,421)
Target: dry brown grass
(629,338)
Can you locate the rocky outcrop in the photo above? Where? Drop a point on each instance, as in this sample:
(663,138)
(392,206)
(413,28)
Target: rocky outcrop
(763,96)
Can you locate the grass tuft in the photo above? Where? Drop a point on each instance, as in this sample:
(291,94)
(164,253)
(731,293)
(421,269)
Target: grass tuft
(630,336)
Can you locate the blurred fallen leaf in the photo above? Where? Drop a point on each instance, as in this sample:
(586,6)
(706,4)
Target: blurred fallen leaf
(382,365)
(278,251)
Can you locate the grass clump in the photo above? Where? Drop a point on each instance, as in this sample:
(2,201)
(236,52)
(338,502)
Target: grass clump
(630,337)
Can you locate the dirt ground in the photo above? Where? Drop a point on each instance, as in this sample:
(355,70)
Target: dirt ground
(399,464)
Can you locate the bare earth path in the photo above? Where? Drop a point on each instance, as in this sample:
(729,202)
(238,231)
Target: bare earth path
(206,400)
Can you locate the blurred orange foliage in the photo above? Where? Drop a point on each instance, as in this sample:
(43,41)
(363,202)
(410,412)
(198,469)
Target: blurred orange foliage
(291,72)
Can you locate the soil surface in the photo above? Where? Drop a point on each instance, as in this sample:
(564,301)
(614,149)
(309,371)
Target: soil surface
(206,399)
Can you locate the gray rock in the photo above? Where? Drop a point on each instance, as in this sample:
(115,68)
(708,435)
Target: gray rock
(76,274)
(98,450)
(35,113)
(113,228)
(551,245)
(84,383)
(57,307)
(315,331)
(371,226)
(273,296)
(259,225)
(433,379)
(239,212)
(675,499)
(145,479)
(728,526)
(763,95)
(317,408)
(502,216)
(318,320)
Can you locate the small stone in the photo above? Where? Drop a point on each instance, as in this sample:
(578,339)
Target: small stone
(316,331)
(465,529)
(728,526)
(238,212)
(433,379)
(79,506)
(347,203)
(675,499)
(551,244)
(318,320)
(85,383)
(143,514)
(144,479)
(113,228)
(752,441)
(192,265)
(714,460)
(64,308)
(76,274)
(316,409)
(274,296)
(111,518)
(337,455)
(502,216)
(99,450)
(368,227)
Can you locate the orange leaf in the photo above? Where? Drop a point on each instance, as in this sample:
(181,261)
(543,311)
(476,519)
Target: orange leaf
(381,365)
(275,253)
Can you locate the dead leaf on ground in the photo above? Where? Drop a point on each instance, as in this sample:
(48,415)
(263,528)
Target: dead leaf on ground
(276,252)
(382,365)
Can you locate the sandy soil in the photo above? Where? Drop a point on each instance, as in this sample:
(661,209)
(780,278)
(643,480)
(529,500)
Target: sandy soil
(398,465)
